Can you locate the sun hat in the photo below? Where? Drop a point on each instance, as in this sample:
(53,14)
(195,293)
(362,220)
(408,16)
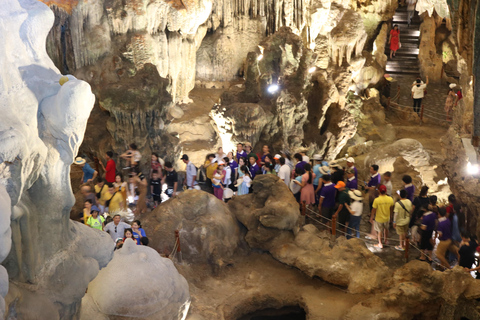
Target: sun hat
(382,188)
(94,208)
(247,144)
(355,194)
(452,85)
(340,184)
(334,164)
(324,170)
(79,160)
(227,193)
(351,160)
(277,156)
(317,157)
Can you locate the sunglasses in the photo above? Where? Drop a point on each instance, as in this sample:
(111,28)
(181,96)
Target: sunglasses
(115,229)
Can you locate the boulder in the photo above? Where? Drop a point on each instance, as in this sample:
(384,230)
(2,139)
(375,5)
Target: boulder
(209,232)
(139,284)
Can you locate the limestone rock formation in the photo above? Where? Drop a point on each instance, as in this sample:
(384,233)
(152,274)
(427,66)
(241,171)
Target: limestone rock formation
(209,232)
(42,126)
(138,284)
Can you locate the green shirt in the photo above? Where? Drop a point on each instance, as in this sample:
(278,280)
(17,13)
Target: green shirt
(96,223)
(344,198)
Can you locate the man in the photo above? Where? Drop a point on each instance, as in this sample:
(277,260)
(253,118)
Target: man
(156,188)
(372,184)
(351,166)
(101,194)
(114,199)
(418,92)
(284,172)
(317,160)
(265,152)
(110,168)
(277,163)
(95,220)
(410,11)
(132,156)
(116,228)
(401,218)
(327,198)
(409,187)
(352,182)
(337,171)
(191,180)
(88,194)
(254,167)
(342,214)
(88,173)
(240,152)
(444,231)
(210,168)
(387,182)
(171,179)
(381,210)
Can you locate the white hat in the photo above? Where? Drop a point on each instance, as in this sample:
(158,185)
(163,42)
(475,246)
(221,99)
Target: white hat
(214,160)
(452,85)
(317,157)
(79,160)
(277,156)
(221,163)
(227,193)
(351,160)
(355,194)
(334,164)
(324,170)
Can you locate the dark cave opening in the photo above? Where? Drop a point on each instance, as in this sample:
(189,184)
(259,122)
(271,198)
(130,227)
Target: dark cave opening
(284,313)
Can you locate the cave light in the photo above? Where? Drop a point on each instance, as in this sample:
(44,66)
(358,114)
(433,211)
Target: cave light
(312,69)
(273,88)
(374,48)
(260,57)
(472,169)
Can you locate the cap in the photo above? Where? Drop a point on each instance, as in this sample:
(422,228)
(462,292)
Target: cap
(452,85)
(317,157)
(94,208)
(340,184)
(351,160)
(355,194)
(184,157)
(382,188)
(79,160)
(253,155)
(277,156)
(388,77)
(221,163)
(118,240)
(214,160)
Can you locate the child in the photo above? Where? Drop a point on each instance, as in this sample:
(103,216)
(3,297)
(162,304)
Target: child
(246,178)
(156,165)
(129,235)
(217,181)
(95,221)
(387,177)
(156,187)
(356,209)
(269,168)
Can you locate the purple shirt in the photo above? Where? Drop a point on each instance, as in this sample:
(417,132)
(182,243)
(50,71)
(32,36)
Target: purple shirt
(242,154)
(301,165)
(374,181)
(445,227)
(353,184)
(428,220)
(328,194)
(410,191)
(233,165)
(254,170)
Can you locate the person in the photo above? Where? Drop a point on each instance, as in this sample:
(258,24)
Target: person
(337,172)
(128,234)
(351,166)
(351,180)
(356,210)
(114,201)
(265,152)
(307,192)
(156,188)
(244,187)
(296,184)
(409,187)
(132,156)
(116,228)
(111,168)
(342,214)
(327,198)
(88,173)
(401,218)
(101,193)
(305,158)
(444,231)
(468,248)
(227,180)
(410,11)
(427,226)
(217,181)
(381,210)
(141,184)
(372,185)
(300,163)
(288,159)
(233,170)
(191,180)
(387,182)
(118,244)
(394,41)
(220,154)
(240,152)
(210,166)
(248,148)
(121,186)
(88,194)
(418,92)
(87,210)
(450,101)
(277,163)
(317,160)
(95,220)
(155,164)
(132,190)
(385,87)
(138,232)
(284,172)
(457,218)
(241,162)
(418,202)
(254,168)
(171,179)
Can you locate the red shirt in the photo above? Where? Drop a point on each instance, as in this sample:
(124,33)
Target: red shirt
(110,171)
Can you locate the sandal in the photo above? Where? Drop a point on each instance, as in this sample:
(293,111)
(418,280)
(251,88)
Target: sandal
(399,248)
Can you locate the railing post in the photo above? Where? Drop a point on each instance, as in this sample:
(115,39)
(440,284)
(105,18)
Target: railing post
(303,207)
(177,241)
(334,226)
(407,246)
(421,113)
(398,93)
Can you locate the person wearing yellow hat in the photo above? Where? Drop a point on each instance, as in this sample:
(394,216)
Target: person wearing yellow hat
(342,214)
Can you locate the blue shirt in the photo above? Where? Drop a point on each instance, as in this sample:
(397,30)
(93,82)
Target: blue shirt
(87,172)
(328,195)
(318,174)
(137,236)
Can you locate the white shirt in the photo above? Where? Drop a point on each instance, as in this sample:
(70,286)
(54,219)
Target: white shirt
(289,163)
(418,91)
(227,180)
(357,207)
(389,186)
(284,174)
(306,159)
(191,172)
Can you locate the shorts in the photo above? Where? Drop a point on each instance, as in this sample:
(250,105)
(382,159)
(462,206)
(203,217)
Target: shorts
(402,229)
(169,192)
(445,245)
(343,217)
(156,197)
(425,240)
(380,226)
(328,212)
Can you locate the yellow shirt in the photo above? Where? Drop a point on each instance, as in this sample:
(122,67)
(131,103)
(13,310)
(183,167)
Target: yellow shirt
(86,215)
(104,196)
(210,169)
(115,202)
(383,205)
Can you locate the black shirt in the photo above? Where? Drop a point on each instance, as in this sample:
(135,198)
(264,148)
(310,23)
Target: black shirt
(171,178)
(467,254)
(157,186)
(337,176)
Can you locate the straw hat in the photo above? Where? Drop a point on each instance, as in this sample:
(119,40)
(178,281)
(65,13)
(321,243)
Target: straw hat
(335,164)
(324,170)
(227,193)
(79,160)
(317,157)
(355,194)
(452,85)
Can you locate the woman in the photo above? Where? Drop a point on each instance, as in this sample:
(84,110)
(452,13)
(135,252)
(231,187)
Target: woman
(269,168)
(421,201)
(132,190)
(141,184)
(156,165)
(129,235)
(95,221)
(296,183)
(138,232)
(217,181)
(121,186)
(394,40)
(451,101)
(307,193)
(210,166)
(288,159)
(244,187)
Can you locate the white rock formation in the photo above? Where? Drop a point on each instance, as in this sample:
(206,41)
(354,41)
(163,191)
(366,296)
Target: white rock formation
(41,128)
(139,284)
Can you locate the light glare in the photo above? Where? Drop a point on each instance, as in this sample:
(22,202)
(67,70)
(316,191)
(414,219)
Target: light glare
(472,168)
(260,57)
(312,69)
(272,88)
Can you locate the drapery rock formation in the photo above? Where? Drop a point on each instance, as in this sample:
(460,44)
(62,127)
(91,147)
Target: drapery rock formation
(42,126)
(154,291)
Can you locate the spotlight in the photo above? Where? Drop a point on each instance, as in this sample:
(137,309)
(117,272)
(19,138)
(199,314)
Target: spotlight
(260,57)
(273,88)
(312,69)
(477,254)
(472,169)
